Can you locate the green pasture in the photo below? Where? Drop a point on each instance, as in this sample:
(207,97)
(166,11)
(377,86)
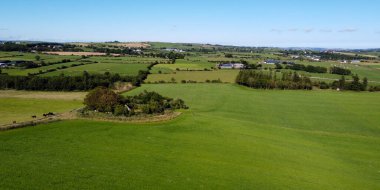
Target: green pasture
(19,106)
(101,68)
(17,56)
(24,72)
(198,76)
(183,66)
(232,137)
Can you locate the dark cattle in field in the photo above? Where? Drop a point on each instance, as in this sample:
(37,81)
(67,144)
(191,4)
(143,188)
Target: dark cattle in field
(48,114)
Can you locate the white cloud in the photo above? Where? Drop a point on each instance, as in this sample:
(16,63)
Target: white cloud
(309,30)
(276,30)
(326,30)
(346,30)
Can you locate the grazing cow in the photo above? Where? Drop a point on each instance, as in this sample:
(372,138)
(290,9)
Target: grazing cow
(48,114)
(34,117)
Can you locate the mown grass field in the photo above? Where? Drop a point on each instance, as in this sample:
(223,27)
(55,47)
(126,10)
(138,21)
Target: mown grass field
(231,138)
(101,68)
(20,106)
(171,68)
(25,72)
(228,76)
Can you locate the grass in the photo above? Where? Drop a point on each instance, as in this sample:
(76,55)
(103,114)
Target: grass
(170,68)
(101,68)
(17,56)
(231,138)
(24,72)
(199,76)
(363,70)
(21,105)
(127,59)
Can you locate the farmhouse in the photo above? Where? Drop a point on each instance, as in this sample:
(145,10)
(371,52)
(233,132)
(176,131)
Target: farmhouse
(355,61)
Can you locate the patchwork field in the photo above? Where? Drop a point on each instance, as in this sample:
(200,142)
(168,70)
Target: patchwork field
(25,72)
(16,56)
(19,106)
(101,68)
(198,76)
(231,138)
(171,68)
(363,70)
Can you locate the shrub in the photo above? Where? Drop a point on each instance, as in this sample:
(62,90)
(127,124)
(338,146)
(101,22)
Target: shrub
(119,110)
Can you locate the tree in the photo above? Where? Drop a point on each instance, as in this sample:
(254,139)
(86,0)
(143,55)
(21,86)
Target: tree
(37,57)
(278,66)
(102,99)
(365,84)
(342,83)
(228,55)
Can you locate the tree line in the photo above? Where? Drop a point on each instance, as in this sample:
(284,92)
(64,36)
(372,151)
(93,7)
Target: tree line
(269,80)
(340,71)
(355,85)
(300,67)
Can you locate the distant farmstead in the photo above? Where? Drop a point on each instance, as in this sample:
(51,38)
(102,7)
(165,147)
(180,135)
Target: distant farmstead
(271,61)
(231,66)
(175,50)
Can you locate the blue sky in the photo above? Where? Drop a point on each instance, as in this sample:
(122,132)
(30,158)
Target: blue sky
(290,23)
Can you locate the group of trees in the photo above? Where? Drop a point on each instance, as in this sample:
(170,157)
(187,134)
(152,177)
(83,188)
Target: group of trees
(340,71)
(28,47)
(104,100)
(308,68)
(119,50)
(356,84)
(269,80)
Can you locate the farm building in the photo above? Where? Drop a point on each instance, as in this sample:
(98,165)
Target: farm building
(271,61)
(295,56)
(231,66)
(4,63)
(226,66)
(238,66)
(175,50)
(355,61)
